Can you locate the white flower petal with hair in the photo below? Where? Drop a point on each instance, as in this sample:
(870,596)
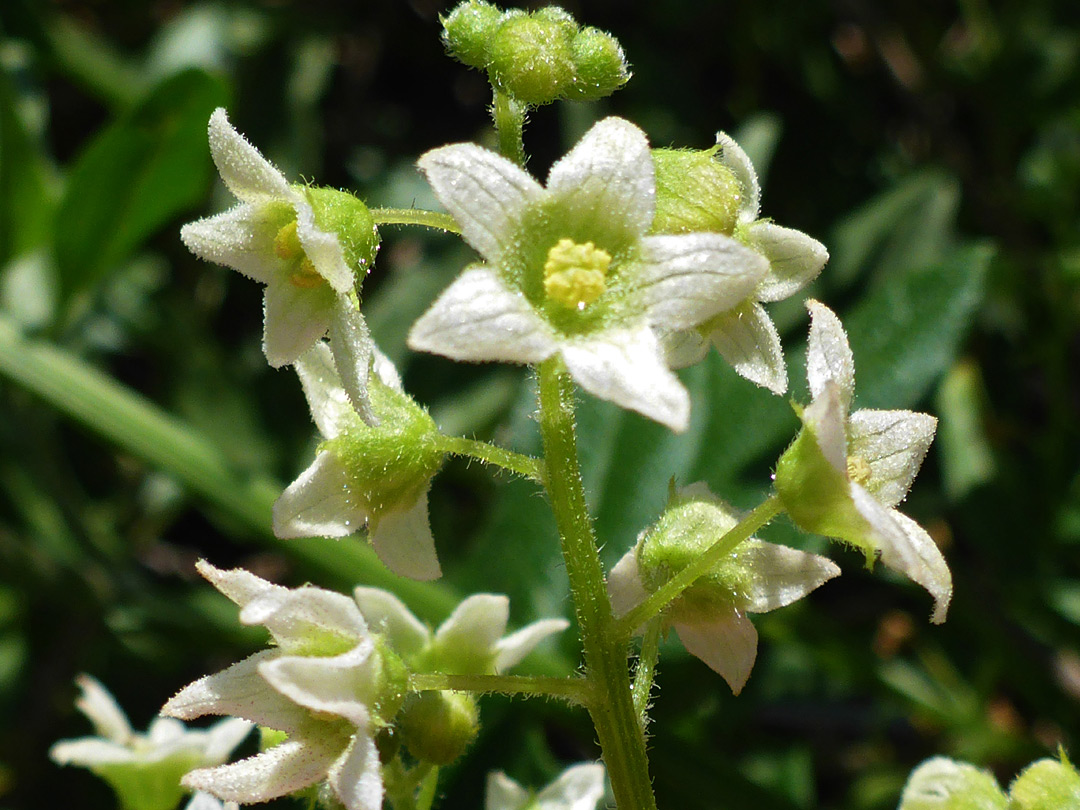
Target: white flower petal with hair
(579,787)
(877,453)
(272,237)
(746,336)
(569,270)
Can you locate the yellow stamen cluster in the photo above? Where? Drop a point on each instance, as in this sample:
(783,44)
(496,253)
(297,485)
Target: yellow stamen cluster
(574,273)
(287,246)
(858,470)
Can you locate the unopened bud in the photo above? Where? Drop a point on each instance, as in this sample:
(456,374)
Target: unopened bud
(694,192)
(438,727)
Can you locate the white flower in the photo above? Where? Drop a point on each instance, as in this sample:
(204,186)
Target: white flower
(323,684)
(470,642)
(579,787)
(374,475)
(745,335)
(870,458)
(144,769)
(570,271)
(204,801)
(710,616)
(274,237)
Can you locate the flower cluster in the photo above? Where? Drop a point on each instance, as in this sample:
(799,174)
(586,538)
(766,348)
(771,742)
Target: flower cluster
(579,787)
(337,677)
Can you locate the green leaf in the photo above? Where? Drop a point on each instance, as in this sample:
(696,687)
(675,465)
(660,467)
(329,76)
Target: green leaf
(144,169)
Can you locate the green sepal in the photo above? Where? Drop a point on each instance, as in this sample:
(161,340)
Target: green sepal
(392,687)
(392,463)
(438,727)
(467,32)
(694,192)
(1047,784)
(149,785)
(817,496)
(341,213)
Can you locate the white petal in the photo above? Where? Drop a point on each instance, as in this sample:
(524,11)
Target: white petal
(894,444)
(327,400)
(828,355)
(782,575)
(294,319)
(286,768)
(579,787)
(688,278)
(323,249)
(795,259)
(238,238)
(942,784)
(922,562)
(300,616)
(352,347)
(166,732)
(608,178)
(385,371)
(223,737)
(239,691)
(356,777)
(387,615)
(98,704)
(319,503)
(203,801)
(733,156)
(627,367)
(684,347)
(473,630)
(404,543)
(485,193)
(343,685)
(237,584)
(86,752)
(748,340)
(726,643)
(245,172)
(478,318)
(624,585)
(826,416)
(503,793)
(514,647)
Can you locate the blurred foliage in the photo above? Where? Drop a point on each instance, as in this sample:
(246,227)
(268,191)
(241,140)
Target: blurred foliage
(935,148)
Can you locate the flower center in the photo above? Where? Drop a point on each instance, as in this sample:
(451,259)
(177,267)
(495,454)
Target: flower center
(858,470)
(302,272)
(574,273)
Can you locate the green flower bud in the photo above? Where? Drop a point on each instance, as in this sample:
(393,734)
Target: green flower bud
(467,32)
(392,687)
(438,727)
(599,64)
(1046,785)
(944,784)
(532,59)
(340,213)
(694,192)
(390,464)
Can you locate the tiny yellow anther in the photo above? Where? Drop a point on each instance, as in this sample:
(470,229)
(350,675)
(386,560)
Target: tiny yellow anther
(287,242)
(574,273)
(305,275)
(858,470)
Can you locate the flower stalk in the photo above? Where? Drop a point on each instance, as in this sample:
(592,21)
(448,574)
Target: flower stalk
(611,702)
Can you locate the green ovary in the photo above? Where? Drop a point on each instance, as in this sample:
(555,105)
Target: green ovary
(302,272)
(574,273)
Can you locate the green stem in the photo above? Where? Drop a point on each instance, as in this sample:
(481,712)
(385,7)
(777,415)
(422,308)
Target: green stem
(670,590)
(611,704)
(509,116)
(573,689)
(415,216)
(518,463)
(646,667)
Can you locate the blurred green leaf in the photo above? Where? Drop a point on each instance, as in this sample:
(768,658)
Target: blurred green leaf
(143,170)
(966,458)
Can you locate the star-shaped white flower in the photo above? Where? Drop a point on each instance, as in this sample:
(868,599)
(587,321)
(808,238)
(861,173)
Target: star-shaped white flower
(579,787)
(144,769)
(272,237)
(349,486)
(323,685)
(570,271)
(872,458)
(745,335)
(472,641)
(710,616)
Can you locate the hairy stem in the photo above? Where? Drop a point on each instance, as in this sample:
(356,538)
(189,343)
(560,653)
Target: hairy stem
(509,116)
(611,703)
(670,590)
(573,689)
(415,216)
(646,668)
(517,463)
